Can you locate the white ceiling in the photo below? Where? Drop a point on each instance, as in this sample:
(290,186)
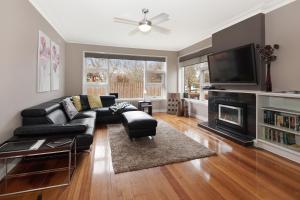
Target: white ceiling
(91,21)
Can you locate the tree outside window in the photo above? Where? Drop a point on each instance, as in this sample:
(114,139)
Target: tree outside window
(128,78)
(195,78)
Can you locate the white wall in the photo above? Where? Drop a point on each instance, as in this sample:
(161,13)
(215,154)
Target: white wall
(20,23)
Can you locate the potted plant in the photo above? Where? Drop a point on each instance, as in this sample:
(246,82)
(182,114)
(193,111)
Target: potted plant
(267,55)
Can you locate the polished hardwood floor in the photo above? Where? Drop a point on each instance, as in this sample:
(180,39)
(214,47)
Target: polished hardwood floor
(236,172)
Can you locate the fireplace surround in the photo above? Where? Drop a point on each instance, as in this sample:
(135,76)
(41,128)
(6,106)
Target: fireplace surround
(232,115)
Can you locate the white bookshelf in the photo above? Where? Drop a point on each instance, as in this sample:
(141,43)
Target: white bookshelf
(280,128)
(287,105)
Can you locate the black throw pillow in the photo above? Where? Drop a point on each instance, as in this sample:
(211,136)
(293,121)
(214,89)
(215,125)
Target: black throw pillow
(85,102)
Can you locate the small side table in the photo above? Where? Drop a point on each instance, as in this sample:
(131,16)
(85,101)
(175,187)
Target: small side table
(34,164)
(143,105)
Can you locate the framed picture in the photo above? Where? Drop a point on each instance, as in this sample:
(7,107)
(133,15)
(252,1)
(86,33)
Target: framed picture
(44,63)
(55,66)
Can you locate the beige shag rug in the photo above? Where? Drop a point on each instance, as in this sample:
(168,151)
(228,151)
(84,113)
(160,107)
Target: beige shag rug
(168,146)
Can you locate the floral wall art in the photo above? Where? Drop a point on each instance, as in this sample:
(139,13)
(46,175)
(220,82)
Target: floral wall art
(44,58)
(49,63)
(55,66)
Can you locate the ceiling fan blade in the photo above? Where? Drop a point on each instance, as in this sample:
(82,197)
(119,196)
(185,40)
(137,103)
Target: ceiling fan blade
(134,31)
(162,17)
(161,29)
(126,21)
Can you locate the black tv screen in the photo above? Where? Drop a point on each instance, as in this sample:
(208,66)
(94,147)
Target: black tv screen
(234,66)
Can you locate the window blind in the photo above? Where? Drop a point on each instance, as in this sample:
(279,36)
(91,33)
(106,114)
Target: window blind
(195,58)
(124,57)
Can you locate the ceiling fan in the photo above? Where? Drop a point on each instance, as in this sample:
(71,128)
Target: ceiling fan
(146,25)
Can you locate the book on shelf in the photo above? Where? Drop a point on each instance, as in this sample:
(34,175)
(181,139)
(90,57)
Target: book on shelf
(279,120)
(269,117)
(282,120)
(298,123)
(293,122)
(278,136)
(286,121)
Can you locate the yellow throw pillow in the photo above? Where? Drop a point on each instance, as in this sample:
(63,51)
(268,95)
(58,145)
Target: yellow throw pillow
(94,101)
(77,103)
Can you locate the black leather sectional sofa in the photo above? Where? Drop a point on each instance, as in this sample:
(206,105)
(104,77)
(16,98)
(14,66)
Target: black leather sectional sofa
(49,120)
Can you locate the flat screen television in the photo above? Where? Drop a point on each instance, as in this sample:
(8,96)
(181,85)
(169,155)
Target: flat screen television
(233,67)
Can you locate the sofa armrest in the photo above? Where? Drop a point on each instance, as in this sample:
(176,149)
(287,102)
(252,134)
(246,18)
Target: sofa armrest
(48,129)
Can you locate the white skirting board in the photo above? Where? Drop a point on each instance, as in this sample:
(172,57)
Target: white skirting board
(279,151)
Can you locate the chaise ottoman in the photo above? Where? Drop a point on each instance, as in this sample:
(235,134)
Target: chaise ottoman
(139,124)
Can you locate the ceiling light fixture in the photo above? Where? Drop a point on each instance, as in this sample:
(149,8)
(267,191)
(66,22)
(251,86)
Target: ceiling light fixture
(145,26)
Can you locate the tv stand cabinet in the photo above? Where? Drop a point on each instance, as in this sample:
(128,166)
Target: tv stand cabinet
(278,124)
(280,135)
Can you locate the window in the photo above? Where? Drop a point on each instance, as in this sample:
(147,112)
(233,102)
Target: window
(155,79)
(195,78)
(128,77)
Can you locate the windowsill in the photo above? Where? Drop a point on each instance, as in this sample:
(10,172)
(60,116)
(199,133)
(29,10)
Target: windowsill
(204,102)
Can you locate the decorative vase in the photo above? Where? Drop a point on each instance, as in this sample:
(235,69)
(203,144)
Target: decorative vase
(267,55)
(268,79)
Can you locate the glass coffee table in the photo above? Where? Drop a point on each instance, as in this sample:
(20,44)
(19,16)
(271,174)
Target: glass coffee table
(36,170)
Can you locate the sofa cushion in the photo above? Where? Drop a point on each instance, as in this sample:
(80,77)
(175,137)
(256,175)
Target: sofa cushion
(84,102)
(69,108)
(94,101)
(77,103)
(57,117)
(40,110)
(108,100)
(50,129)
(103,112)
(85,114)
(90,122)
(35,120)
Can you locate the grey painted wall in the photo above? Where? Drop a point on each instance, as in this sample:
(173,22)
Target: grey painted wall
(74,61)
(251,30)
(20,23)
(203,44)
(283,28)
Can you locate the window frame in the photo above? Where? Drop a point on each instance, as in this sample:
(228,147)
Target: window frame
(163,84)
(202,83)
